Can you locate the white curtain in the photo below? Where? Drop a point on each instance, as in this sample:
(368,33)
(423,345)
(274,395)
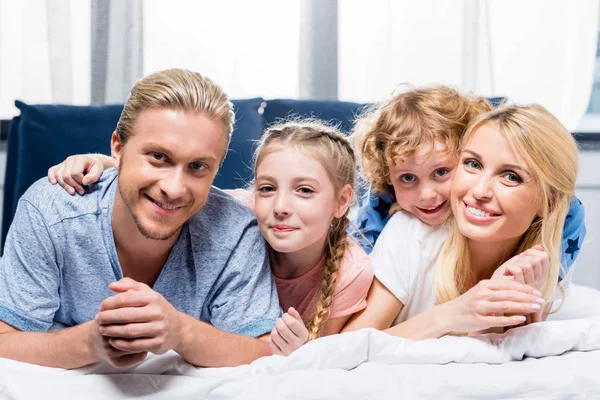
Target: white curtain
(541,51)
(116,49)
(249,47)
(44,52)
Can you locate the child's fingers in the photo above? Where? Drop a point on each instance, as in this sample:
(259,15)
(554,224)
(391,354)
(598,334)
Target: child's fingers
(58,174)
(52,174)
(279,342)
(297,328)
(70,179)
(292,311)
(94,173)
(272,346)
(284,331)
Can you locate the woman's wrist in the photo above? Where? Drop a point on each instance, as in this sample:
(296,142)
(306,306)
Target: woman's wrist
(446,318)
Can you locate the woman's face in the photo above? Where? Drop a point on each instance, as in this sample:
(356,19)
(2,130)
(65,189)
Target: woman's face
(494,195)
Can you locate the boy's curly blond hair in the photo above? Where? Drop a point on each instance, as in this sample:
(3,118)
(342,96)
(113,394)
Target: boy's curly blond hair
(414,117)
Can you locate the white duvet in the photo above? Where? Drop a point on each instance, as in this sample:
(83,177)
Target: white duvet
(554,359)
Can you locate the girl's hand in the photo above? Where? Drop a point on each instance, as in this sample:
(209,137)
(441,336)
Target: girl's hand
(486,304)
(289,333)
(77,171)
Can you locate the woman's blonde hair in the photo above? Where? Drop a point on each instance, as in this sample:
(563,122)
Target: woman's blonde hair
(412,118)
(176,89)
(333,150)
(551,154)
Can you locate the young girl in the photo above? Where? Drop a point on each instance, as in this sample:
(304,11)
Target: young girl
(403,129)
(304,177)
(510,195)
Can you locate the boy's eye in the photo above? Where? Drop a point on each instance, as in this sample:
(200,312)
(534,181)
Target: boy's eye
(472,163)
(438,173)
(198,166)
(408,178)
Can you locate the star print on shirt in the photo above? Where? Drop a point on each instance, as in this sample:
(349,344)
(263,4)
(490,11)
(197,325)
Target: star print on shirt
(572,247)
(363,224)
(383,209)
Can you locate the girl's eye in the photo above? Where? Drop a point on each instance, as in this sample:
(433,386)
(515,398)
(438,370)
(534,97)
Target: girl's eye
(266,189)
(158,156)
(472,163)
(198,166)
(438,173)
(408,178)
(306,190)
(513,178)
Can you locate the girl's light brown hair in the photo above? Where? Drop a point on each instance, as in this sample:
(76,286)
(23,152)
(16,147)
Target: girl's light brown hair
(412,118)
(333,150)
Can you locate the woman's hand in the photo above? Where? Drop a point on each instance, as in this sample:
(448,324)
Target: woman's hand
(487,304)
(289,333)
(529,267)
(78,171)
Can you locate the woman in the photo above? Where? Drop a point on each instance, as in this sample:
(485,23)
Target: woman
(496,263)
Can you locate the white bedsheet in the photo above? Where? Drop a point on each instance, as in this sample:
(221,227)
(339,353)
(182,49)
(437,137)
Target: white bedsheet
(553,359)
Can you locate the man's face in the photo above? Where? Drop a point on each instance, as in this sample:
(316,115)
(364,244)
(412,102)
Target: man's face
(166,168)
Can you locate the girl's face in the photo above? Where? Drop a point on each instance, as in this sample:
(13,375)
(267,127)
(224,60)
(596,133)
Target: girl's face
(494,194)
(296,201)
(422,183)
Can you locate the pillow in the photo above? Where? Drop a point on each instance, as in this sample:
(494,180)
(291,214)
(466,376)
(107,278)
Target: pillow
(336,112)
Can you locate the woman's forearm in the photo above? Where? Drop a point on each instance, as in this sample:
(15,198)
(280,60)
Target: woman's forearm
(434,322)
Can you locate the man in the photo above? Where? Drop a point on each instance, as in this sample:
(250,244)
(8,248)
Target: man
(187,262)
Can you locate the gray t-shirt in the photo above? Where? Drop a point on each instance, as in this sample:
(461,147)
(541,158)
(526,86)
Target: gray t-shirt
(60,257)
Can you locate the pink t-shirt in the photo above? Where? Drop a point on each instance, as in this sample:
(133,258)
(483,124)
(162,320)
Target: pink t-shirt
(353,280)
(350,295)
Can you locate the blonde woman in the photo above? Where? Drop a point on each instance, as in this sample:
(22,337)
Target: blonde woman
(495,263)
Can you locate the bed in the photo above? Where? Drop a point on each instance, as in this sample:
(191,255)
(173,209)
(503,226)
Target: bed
(555,359)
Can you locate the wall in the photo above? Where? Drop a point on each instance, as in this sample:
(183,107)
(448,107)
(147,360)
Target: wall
(587,270)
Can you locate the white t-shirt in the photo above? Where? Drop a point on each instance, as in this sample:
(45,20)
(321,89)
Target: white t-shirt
(404,259)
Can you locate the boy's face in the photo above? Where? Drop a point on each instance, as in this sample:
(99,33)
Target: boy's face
(166,168)
(422,183)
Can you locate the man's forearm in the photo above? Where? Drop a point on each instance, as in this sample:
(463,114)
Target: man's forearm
(67,348)
(206,346)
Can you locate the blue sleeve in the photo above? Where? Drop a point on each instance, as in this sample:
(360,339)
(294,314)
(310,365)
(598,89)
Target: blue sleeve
(29,274)
(573,234)
(246,301)
(372,216)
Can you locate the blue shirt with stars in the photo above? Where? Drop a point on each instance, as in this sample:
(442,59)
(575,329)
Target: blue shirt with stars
(374,213)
